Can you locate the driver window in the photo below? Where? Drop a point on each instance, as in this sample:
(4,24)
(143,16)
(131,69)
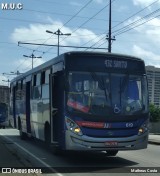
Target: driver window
(134,96)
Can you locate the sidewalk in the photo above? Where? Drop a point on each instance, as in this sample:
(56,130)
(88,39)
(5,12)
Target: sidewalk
(154,139)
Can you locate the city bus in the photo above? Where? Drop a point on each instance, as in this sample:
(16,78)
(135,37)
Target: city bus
(83,101)
(3,115)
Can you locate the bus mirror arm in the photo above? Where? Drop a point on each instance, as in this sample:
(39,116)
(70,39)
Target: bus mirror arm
(66,85)
(54,111)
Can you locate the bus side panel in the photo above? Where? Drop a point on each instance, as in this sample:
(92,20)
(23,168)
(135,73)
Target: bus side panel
(14,107)
(37,129)
(58,103)
(3,114)
(27,97)
(40,113)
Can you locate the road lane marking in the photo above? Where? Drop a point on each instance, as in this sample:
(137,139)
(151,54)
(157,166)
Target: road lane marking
(32,155)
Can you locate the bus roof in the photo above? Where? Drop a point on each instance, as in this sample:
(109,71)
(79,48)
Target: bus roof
(78,53)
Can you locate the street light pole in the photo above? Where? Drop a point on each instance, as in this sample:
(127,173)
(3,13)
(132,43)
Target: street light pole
(33,57)
(16,73)
(12,73)
(58,33)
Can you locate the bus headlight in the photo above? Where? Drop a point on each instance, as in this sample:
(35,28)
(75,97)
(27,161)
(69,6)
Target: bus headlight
(72,126)
(143,128)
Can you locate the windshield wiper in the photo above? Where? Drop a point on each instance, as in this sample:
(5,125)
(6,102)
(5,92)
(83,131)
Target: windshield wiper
(101,84)
(124,83)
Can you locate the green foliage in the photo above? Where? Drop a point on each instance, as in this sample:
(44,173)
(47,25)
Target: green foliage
(154,113)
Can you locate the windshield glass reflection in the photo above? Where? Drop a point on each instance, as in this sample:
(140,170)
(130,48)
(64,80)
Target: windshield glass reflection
(106,93)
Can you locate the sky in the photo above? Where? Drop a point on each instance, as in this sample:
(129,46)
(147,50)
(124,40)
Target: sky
(135,26)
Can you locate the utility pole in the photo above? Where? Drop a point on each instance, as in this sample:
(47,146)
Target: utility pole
(109,37)
(58,33)
(33,57)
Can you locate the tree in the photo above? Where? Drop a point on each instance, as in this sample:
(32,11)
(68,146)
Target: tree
(154,113)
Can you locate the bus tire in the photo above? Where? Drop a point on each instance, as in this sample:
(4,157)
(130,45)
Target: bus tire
(47,134)
(111,153)
(56,150)
(4,127)
(21,133)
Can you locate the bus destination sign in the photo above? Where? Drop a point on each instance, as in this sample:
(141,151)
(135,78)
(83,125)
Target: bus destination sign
(116,64)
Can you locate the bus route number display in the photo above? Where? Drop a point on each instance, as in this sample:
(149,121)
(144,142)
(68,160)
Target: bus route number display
(116,64)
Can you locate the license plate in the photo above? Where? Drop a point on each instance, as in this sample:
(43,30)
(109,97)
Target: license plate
(111,143)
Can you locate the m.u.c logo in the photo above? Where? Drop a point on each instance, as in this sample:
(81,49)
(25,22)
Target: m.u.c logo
(11,6)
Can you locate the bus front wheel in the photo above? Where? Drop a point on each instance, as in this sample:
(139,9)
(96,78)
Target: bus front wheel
(112,153)
(56,150)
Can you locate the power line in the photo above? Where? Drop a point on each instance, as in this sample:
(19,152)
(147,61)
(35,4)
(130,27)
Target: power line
(53,2)
(58,33)
(87,20)
(137,25)
(96,42)
(22,20)
(135,14)
(65,46)
(125,20)
(102,44)
(137,21)
(91,17)
(32,56)
(76,13)
(81,24)
(63,14)
(68,21)
(109,35)
(32,49)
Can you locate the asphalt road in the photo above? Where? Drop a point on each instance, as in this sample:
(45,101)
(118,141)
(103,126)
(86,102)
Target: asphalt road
(32,154)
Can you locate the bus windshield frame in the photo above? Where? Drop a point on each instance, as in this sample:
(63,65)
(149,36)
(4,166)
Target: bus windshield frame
(103,93)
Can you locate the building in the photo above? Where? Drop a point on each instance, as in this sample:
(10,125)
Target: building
(4,94)
(153,75)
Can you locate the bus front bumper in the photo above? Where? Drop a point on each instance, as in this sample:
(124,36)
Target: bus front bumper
(82,143)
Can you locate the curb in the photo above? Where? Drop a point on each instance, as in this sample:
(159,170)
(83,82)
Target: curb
(154,142)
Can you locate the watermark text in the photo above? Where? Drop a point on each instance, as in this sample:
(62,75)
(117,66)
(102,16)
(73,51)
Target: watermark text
(11,6)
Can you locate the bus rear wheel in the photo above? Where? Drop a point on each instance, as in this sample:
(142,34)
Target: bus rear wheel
(47,135)
(21,133)
(112,153)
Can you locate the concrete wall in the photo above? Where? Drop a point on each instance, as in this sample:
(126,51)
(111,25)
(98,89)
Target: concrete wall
(155,127)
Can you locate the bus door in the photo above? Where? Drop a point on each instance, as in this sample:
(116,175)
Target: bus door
(14,106)
(28,123)
(56,106)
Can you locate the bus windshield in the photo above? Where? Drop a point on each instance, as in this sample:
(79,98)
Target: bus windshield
(99,93)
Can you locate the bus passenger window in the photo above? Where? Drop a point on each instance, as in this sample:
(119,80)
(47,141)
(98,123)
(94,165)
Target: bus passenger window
(37,86)
(47,73)
(38,80)
(45,91)
(36,92)
(45,83)
(43,77)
